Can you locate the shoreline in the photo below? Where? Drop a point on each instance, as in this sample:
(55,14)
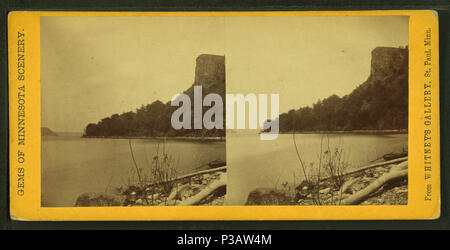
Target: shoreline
(382,183)
(223,138)
(174,138)
(205,188)
(372,132)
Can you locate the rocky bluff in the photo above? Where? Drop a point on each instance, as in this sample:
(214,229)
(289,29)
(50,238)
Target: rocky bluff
(387,62)
(209,70)
(379,103)
(210,74)
(155,119)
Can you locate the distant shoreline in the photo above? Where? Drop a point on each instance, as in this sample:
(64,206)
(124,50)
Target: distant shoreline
(193,138)
(180,138)
(379,132)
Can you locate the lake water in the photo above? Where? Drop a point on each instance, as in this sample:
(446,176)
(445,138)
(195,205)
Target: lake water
(253,163)
(73,165)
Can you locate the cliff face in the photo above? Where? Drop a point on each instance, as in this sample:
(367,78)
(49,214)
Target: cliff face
(381,102)
(387,62)
(385,93)
(209,70)
(210,74)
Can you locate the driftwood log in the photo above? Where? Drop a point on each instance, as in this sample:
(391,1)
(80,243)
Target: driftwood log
(188,176)
(396,172)
(211,188)
(380,164)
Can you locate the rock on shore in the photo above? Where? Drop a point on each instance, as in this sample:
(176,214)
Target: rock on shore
(154,195)
(328,193)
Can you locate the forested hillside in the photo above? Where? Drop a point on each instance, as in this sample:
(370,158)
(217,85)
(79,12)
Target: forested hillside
(381,102)
(154,119)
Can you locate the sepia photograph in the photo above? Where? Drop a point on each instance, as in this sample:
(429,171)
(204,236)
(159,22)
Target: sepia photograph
(107,137)
(224,110)
(342,83)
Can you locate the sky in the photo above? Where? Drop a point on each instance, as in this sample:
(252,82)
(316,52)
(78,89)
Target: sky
(93,67)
